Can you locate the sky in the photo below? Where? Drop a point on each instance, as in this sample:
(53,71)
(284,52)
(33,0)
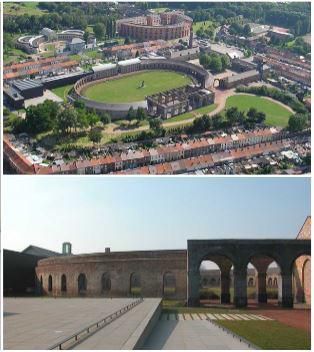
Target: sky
(142,213)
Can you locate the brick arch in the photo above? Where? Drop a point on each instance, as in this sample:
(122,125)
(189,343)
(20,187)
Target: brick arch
(306,279)
(82,284)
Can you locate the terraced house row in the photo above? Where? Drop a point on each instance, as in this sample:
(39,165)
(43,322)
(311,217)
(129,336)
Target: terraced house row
(235,143)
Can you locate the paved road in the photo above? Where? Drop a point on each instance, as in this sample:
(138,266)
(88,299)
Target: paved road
(191,335)
(37,323)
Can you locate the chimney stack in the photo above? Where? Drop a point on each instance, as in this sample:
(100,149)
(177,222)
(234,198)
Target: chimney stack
(107,250)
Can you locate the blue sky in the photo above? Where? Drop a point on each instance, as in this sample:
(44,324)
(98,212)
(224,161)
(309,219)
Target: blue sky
(148,213)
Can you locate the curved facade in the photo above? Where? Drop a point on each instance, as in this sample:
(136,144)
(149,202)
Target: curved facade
(31,43)
(118,274)
(120,110)
(166,26)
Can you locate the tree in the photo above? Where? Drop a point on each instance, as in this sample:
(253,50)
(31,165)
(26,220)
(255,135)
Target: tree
(217,121)
(297,122)
(66,119)
(95,135)
(99,30)
(42,117)
(140,114)
(225,62)
(105,118)
(202,124)
(86,35)
(216,64)
(247,30)
(252,114)
(92,119)
(260,117)
(131,114)
(232,115)
(155,124)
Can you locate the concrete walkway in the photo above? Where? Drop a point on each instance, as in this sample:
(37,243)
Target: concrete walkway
(38,323)
(123,333)
(191,335)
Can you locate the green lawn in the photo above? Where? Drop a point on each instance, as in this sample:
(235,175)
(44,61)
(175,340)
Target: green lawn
(63,91)
(22,8)
(198,25)
(14,55)
(276,115)
(160,9)
(127,89)
(270,334)
(188,115)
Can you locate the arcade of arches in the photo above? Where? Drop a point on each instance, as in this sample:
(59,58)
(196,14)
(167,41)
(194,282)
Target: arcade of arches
(175,274)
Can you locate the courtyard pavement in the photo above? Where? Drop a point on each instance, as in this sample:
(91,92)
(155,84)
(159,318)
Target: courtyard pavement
(38,323)
(191,335)
(48,95)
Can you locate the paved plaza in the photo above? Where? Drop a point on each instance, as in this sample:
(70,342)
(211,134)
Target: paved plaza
(191,335)
(38,323)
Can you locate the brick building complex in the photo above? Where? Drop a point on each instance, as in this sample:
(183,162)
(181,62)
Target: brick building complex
(168,273)
(166,26)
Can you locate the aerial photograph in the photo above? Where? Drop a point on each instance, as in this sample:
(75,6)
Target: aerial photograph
(157,88)
(211,264)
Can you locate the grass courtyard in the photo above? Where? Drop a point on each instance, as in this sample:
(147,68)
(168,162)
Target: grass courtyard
(270,334)
(63,91)
(128,89)
(276,114)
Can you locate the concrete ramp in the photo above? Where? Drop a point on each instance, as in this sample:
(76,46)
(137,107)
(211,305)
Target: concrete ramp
(129,332)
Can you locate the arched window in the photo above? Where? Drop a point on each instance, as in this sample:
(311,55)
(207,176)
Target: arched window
(105,283)
(50,283)
(270,282)
(82,283)
(63,283)
(275,282)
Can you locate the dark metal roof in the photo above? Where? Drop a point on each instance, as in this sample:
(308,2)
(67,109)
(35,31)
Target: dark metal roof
(26,84)
(39,252)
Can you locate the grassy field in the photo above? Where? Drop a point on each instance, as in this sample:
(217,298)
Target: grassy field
(14,55)
(270,334)
(188,115)
(198,25)
(127,89)
(63,91)
(160,9)
(22,8)
(276,115)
